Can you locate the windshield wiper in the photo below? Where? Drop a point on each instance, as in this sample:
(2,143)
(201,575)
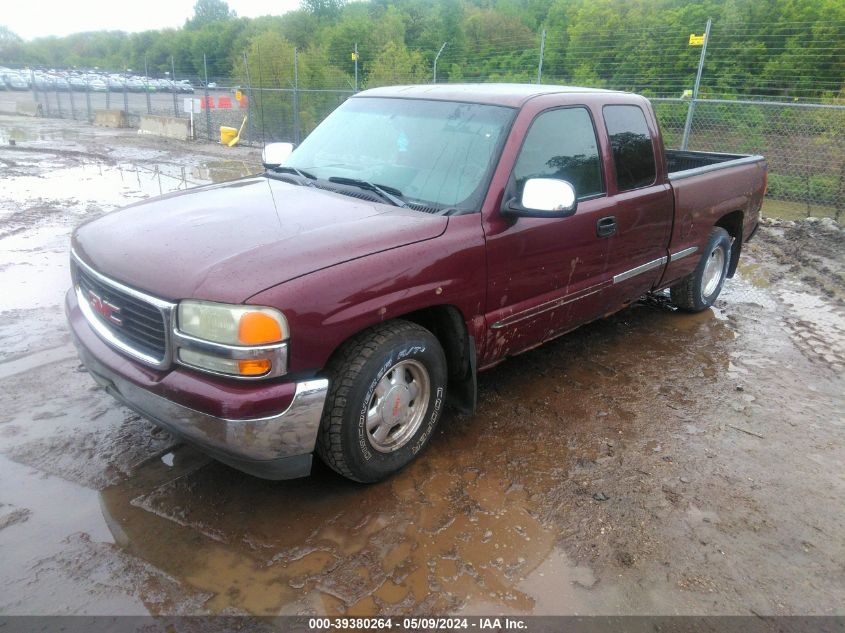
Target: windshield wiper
(388,193)
(293,170)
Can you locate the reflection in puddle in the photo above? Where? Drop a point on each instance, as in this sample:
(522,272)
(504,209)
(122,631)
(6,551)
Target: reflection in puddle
(475,525)
(224,170)
(21,134)
(40,189)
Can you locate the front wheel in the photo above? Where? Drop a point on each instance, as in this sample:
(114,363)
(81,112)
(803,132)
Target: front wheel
(388,387)
(699,290)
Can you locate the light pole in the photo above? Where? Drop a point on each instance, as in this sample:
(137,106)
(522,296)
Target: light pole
(436,57)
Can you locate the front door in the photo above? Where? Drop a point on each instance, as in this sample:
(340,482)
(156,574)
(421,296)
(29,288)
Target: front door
(546,275)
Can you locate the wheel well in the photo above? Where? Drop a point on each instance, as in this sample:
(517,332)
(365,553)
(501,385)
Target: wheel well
(447,323)
(732,223)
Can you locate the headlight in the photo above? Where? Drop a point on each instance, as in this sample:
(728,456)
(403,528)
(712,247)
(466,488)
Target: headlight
(237,340)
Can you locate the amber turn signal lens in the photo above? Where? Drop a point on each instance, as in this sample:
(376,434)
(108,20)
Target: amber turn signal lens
(256,328)
(253,367)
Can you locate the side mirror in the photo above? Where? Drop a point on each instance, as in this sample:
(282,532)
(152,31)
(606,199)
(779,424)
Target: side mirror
(276,154)
(543,198)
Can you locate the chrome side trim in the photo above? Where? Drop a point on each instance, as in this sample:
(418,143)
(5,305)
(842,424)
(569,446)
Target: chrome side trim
(104,332)
(639,270)
(276,353)
(687,251)
(548,305)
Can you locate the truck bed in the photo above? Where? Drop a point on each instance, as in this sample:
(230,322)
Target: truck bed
(685,163)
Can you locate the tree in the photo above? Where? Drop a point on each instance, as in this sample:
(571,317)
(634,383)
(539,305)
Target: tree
(11,46)
(323,8)
(397,65)
(209,11)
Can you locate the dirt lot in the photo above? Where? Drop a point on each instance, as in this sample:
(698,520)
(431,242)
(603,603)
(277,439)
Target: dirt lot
(651,463)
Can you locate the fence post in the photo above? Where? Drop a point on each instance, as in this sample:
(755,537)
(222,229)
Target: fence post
(45,95)
(542,52)
(126,98)
(261,96)
(88,98)
(207,110)
(33,84)
(58,100)
(248,102)
(355,57)
(147,85)
(691,109)
(296,130)
(173,84)
(72,104)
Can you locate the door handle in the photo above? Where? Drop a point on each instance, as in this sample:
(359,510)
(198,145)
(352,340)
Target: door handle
(606,226)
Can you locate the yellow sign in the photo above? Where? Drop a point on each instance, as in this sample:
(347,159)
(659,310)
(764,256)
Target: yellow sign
(696,40)
(354,57)
(239,95)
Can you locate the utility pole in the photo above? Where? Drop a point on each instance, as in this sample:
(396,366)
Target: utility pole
(355,57)
(436,57)
(691,109)
(542,51)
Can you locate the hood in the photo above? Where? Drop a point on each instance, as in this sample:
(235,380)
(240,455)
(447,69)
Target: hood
(227,242)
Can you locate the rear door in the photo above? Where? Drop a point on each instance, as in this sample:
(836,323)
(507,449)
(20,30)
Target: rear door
(643,207)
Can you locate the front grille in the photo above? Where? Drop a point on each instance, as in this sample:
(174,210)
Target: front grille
(142,325)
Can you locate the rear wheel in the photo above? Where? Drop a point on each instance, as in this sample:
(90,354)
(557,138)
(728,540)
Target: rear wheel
(699,290)
(388,386)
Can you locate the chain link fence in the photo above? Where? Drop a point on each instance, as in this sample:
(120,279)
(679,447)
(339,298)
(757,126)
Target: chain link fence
(804,143)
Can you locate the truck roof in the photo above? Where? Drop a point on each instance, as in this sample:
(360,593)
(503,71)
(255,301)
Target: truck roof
(512,95)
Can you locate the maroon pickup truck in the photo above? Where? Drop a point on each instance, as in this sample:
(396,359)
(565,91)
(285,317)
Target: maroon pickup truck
(338,302)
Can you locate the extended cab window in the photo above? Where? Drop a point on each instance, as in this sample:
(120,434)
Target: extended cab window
(561,144)
(633,152)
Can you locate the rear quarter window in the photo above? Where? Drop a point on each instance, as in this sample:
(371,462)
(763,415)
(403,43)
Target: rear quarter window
(633,150)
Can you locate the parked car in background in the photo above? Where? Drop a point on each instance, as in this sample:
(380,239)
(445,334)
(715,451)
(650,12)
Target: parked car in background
(97,85)
(133,84)
(44,82)
(15,81)
(77,83)
(185,86)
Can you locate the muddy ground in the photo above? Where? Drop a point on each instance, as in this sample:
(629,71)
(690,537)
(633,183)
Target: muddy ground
(650,463)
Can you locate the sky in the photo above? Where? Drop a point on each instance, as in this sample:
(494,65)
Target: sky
(59,17)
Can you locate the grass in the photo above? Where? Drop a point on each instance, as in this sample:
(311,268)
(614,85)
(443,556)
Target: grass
(793,210)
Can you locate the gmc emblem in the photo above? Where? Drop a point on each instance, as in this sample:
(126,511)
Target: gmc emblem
(105,309)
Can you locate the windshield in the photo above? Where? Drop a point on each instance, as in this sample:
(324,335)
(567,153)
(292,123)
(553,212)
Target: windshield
(436,153)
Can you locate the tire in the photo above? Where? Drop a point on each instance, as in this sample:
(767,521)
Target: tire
(699,290)
(387,390)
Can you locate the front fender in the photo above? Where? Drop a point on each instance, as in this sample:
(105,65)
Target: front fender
(327,307)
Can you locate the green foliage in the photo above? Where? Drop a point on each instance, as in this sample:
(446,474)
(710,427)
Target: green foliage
(11,46)
(772,48)
(397,65)
(207,12)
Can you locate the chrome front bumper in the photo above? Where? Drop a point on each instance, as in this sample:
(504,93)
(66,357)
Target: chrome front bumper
(278,446)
